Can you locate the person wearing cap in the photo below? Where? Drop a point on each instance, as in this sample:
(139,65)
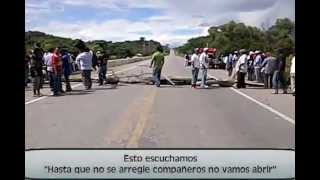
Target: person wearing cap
(250,66)
(84,58)
(241,69)
(102,62)
(257,66)
(204,64)
(195,65)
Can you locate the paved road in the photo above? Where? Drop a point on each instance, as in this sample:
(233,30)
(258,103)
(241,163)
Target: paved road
(167,117)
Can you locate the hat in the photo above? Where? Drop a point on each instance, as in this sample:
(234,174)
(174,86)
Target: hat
(251,52)
(205,49)
(257,52)
(243,51)
(235,51)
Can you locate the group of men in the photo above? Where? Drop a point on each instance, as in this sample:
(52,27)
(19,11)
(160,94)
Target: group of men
(260,67)
(199,61)
(58,63)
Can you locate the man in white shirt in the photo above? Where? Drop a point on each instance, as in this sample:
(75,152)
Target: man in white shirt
(204,64)
(48,62)
(85,60)
(195,64)
(293,76)
(241,69)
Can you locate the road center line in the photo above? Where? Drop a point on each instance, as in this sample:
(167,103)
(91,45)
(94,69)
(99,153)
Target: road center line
(261,104)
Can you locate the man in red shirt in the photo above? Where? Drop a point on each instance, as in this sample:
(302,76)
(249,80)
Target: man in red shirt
(57,70)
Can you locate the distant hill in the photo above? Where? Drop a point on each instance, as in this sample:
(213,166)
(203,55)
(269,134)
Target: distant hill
(114,49)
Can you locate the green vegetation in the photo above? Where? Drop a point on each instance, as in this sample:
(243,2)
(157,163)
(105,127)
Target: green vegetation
(234,36)
(116,50)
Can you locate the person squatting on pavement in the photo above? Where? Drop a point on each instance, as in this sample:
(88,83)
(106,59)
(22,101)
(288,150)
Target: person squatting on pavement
(102,62)
(241,69)
(204,64)
(36,69)
(268,66)
(85,60)
(257,66)
(66,64)
(57,71)
(195,65)
(157,62)
(48,64)
(278,76)
(293,76)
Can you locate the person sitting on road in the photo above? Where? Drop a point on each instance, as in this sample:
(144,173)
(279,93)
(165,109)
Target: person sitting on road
(195,64)
(204,65)
(157,63)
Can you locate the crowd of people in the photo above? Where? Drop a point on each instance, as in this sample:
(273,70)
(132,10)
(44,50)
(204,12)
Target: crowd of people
(57,64)
(255,65)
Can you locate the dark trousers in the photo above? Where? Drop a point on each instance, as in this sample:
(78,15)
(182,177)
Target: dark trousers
(51,80)
(279,81)
(251,74)
(86,79)
(195,72)
(157,75)
(102,74)
(268,81)
(67,81)
(57,87)
(241,80)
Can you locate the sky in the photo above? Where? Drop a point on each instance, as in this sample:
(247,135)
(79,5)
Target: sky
(167,21)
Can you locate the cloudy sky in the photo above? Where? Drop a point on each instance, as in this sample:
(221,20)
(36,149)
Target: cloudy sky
(166,21)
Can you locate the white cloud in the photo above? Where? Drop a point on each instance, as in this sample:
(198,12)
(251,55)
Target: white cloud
(177,15)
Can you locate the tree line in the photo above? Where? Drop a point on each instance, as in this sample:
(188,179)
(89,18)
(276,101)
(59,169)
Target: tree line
(115,50)
(233,36)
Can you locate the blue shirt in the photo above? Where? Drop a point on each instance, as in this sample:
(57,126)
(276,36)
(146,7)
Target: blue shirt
(66,65)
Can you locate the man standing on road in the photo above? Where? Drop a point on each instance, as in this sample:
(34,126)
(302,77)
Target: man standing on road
(269,66)
(204,64)
(241,69)
(57,70)
(229,64)
(36,66)
(102,62)
(195,64)
(278,76)
(293,76)
(250,66)
(26,69)
(257,66)
(85,60)
(157,62)
(48,63)
(66,63)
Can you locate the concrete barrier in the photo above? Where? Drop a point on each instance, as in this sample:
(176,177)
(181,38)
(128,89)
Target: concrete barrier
(119,62)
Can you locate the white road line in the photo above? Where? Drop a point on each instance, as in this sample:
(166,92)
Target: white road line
(261,104)
(74,86)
